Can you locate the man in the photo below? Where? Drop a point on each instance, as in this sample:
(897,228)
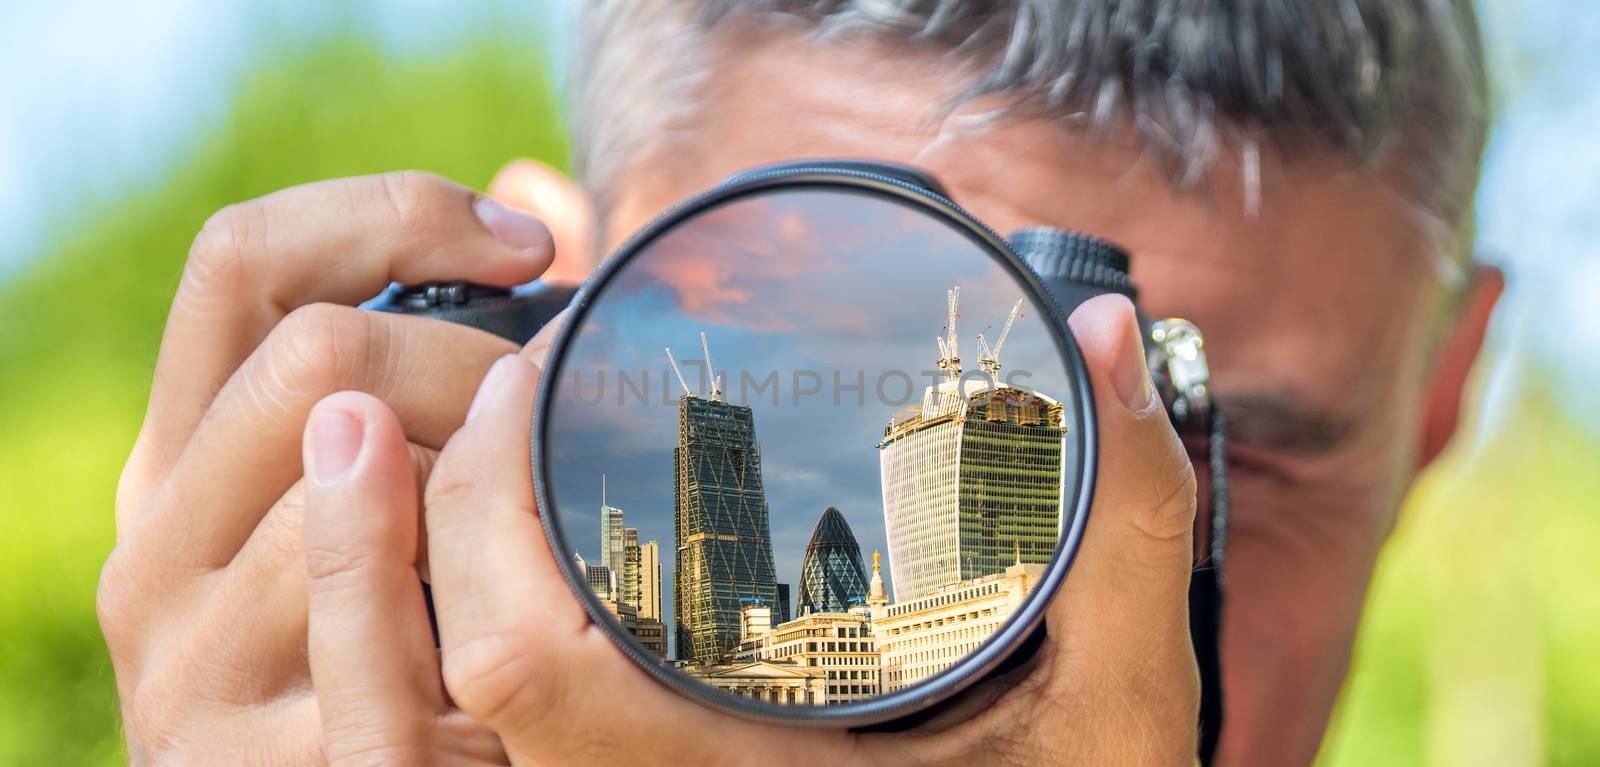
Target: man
(1292,175)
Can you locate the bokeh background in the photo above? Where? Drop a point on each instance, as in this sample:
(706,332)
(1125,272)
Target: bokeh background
(123,125)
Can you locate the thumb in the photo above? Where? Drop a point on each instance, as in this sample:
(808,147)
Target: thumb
(563,206)
(1142,522)
(1119,627)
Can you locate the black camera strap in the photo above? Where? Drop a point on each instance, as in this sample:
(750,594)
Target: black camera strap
(1206,587)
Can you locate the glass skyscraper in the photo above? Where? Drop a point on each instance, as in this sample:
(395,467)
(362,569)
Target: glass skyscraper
(832,576)
(612,541)
(724,541)
(971,484)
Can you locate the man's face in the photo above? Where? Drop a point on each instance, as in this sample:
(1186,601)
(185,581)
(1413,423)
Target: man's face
(1317,314)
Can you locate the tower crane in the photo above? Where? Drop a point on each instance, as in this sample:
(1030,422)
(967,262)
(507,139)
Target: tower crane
(711,369)
(989,360)
(949,357)
(681,382)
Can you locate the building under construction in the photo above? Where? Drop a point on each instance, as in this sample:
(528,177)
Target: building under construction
(724,541)
(971,475)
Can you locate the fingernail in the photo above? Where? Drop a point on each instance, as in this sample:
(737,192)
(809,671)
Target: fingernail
(335,443)
(512,227)
(1108,328)
(494,384)
(1130,376)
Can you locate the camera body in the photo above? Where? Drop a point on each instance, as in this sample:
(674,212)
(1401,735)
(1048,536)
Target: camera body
(514,314)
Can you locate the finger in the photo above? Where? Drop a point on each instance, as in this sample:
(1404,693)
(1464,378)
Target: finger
(335,241)
(519,652)
(426,370)
(550,196)
(371,652)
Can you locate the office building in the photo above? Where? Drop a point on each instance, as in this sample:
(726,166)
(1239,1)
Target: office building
(724,544)
(919,638)
(971,478)
(650,581)
(650,633)
(629,582)
(599,577)
(839,643)
(832,578)
(653,635)
(612,540)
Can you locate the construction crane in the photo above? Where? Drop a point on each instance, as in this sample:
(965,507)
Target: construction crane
(989,360)
(711,370)
(681,382)
(949,357)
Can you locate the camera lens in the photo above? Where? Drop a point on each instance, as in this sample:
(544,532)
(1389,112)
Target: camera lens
(815,447)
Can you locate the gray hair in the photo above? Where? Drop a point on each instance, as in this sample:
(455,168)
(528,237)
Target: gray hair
(1377,80)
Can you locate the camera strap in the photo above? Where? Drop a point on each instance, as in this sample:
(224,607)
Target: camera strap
(1206,588)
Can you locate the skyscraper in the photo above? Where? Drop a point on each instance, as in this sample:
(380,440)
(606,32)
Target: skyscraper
(650,581)
(832,577)
(630,566)
(724,544)
(645,561)
(971,484)
(611,533)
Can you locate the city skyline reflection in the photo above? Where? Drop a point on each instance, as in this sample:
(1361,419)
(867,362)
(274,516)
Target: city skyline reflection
(730,538)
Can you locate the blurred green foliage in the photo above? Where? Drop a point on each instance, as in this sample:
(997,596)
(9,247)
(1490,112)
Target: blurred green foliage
(1480,641)
(75,364)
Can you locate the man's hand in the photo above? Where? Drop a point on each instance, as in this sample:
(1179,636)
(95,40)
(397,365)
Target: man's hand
(1115,683)
(204,601)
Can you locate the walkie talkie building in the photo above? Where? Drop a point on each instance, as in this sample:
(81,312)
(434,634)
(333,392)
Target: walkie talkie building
(971,484)
(724,542)
(832,576)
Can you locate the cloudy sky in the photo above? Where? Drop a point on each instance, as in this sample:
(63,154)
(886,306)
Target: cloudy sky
(804,284)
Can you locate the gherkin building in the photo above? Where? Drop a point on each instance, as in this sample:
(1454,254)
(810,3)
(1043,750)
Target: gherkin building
(724,543)
(832,577)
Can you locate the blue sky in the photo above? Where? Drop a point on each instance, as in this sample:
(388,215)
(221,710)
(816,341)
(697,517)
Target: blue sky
(99,98)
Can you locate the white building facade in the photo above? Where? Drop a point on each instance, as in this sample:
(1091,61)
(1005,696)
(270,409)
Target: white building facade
(919,638)
(840,645)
